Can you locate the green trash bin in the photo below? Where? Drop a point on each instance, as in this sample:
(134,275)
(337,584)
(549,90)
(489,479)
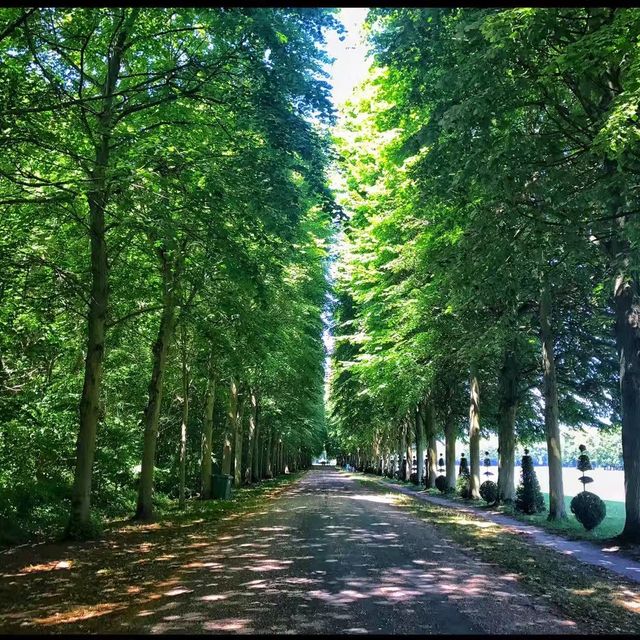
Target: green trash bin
(222,486)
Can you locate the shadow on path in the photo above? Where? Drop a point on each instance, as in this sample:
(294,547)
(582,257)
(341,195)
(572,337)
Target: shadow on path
(327,556)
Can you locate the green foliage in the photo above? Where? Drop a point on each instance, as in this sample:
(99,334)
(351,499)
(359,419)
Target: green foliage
(589,509)
(489,491)
(529,498)
(441,483)
(462,486)
(217,167)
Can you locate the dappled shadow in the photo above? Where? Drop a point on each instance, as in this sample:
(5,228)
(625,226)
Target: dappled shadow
(328,557)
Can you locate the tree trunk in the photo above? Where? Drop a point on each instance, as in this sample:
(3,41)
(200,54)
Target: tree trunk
(207,433)
(551,423)
(474,436)
(97,198)
(432,453)
(144,509)
(237,449)
(409,450)
(268,466)
(251,436)
(255,472)
(627,307)
(450,451)
(185,420)
(404,463)
(230,430)
(508,386)
(420,441)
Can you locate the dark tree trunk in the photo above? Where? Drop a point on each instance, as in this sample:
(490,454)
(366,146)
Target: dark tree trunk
(627,308)
(450,451)
(474,436)
(207,433)
(97,198)
(144,509)
(508,389)
(551,423)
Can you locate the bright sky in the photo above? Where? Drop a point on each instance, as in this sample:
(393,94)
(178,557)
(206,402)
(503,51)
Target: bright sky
(350,66)
(349,69)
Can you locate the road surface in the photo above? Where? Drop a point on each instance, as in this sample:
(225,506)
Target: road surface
(327,556)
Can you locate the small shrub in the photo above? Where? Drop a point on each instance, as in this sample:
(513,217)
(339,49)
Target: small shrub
(462,486)
(464,466)
(441,483)
(529,498)
(89,531)
(588,509)
(489,491)
(414,477)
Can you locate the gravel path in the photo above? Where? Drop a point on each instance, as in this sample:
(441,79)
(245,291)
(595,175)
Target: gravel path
(605,557)
(326,556)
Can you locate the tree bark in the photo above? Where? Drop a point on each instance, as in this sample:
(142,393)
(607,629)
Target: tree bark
(232,412)
(420,442)
(237,449)
(627,308)
(508,388)
(255,472)
(97,198)
(268,467)
(474,436)
(404,463)
(551,423)
(251,436)
(207,433)
(144,509)
(450,451)
(185,420)
(432,453)
(409,442)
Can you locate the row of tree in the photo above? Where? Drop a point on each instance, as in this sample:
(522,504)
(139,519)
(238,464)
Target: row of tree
(490,264)
(165,222)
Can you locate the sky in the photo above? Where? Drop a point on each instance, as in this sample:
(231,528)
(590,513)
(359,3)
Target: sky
(350,66)
(349,69)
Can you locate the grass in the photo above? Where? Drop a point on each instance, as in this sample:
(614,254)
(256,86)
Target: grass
(570,528)
(602,603)
(167,512)
(72,586)
(242,499)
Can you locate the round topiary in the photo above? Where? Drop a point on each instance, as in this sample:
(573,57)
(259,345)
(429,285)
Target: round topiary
(441,483)
(589,509)
(489,491)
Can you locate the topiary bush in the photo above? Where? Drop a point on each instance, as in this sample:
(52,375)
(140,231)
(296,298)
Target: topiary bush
(464,466)
(588,509)
(441,484)
(529,498)
(489,491)
(462,483)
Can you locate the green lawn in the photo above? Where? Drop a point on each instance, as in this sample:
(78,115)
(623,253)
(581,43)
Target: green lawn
(611,526)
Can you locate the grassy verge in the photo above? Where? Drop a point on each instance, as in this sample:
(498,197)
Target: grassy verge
(243,499)
(570,528)
(601,602)
(168,513)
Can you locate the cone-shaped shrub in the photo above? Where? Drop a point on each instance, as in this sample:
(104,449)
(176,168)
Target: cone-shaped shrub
(441,480)
(529,498)
(462,484)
